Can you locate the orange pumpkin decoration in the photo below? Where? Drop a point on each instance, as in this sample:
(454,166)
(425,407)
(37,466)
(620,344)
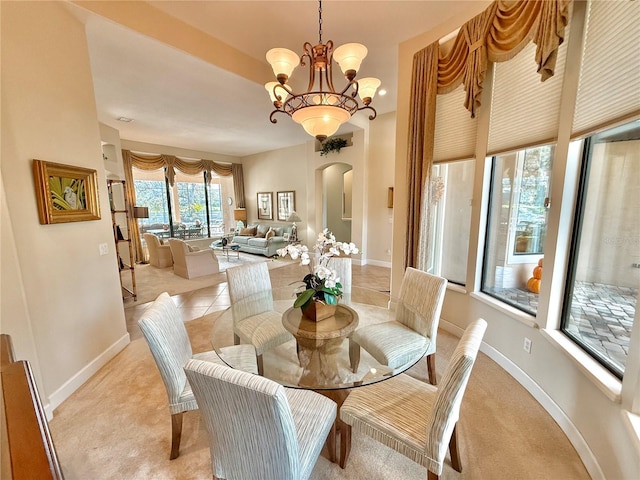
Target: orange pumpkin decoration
(533,284)
(537,273)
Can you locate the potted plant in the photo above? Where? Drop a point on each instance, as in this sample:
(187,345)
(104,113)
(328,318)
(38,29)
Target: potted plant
(332,145)
(321,287)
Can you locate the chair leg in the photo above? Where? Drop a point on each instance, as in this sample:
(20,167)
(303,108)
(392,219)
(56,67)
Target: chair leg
(176,434)
(454,452)
(260,365)
(431,368)
(354,355)
(432,476)
(345,444)
(331,443)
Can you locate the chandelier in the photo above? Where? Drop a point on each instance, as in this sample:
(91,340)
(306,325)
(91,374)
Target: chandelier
(321,109)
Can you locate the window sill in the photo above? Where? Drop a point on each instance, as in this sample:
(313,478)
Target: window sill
(609,384)
(454,287)
(514,313)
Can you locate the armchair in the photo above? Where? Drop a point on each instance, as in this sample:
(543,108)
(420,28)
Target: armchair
(159,253)
(191,263)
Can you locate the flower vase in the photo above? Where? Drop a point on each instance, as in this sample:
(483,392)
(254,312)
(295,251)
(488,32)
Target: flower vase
(316,310)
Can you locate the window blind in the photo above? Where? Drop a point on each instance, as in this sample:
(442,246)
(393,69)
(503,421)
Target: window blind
(455,130)
(609,84)
(525,110)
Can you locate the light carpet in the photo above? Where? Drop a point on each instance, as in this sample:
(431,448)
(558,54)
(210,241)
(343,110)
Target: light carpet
(152,281)
(117,426)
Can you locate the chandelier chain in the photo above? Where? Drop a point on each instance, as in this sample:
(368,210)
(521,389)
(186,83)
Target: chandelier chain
(320,22)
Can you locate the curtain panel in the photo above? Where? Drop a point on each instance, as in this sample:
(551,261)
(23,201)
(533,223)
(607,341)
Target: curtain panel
(171,163)
(498,34)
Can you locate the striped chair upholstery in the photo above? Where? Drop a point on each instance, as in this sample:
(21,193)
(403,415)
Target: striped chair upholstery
(415,327)
(342,266)
(167,337)
(257,428)
(254,320)
(412,417)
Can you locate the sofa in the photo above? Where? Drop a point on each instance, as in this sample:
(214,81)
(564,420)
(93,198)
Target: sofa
(262,238)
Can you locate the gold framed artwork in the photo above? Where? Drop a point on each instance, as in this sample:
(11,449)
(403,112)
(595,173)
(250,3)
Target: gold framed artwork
(286,205)
(65,193)
(265,205)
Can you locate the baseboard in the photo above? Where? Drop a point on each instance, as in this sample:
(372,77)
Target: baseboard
(378,263)
(75,382)
(573,434)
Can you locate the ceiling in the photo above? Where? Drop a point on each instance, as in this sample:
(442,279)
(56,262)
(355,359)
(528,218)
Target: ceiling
(178,99)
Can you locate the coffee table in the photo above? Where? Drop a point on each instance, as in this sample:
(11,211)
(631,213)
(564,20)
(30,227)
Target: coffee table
(226,248)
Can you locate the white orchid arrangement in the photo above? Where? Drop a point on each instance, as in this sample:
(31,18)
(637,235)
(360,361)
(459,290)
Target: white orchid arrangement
(322,283)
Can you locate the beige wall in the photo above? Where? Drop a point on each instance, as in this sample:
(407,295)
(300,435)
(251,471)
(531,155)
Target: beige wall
(333,185)
(381,165)
(60,298)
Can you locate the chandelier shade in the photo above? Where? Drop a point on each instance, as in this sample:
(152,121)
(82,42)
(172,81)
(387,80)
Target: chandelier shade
(282,62)
(321,109)
(321,120)
(349,56)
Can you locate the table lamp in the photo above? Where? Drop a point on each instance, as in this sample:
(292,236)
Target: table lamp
(293,217)
(240,215)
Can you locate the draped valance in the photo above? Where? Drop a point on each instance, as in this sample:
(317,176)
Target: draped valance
(171,163)
(497,34)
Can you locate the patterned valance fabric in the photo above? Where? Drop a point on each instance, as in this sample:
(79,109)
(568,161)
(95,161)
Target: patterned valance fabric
(498,34)
(173,163)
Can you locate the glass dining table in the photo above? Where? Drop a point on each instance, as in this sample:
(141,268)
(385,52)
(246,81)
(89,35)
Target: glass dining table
(317,356)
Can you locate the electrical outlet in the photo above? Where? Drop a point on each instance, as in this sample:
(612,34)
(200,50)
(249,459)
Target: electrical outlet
(527,345)
(103,248)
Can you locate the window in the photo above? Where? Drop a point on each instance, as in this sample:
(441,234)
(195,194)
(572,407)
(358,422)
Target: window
(517,227)
(193,209)
(451,214)
(604,268)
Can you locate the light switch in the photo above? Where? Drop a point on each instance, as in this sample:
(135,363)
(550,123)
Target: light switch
(104,249)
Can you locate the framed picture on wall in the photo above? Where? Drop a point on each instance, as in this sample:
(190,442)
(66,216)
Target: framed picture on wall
(65,193)
(286,204)
(265,205)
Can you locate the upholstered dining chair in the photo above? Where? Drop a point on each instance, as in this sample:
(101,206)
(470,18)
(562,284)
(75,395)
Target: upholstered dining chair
(167,337)
(159,253)
(257,428)
(417,315)
(413,417)
(342,266)
(254,320)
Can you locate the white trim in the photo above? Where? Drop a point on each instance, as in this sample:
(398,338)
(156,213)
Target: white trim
(564,422)
(75,382)
(632,422)
(454,287)
(378,263)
